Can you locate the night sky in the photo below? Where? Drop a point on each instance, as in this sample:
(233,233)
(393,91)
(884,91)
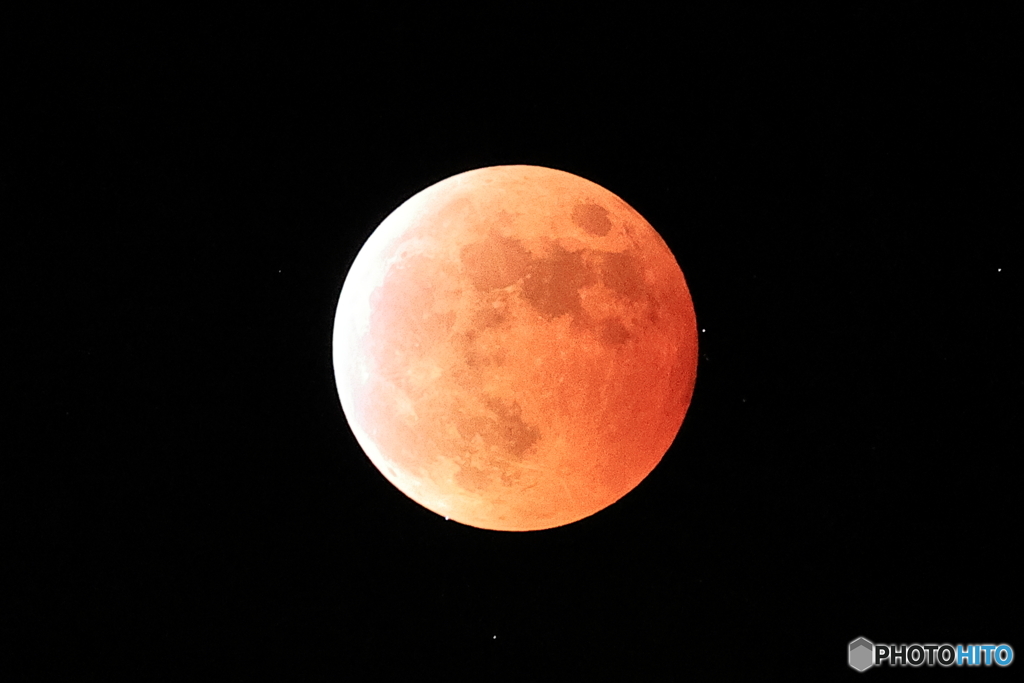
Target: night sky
(183,196)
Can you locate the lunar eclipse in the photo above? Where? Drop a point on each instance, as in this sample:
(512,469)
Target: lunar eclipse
(515,348)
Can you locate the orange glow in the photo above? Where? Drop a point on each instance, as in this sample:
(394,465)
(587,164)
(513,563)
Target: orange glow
(515,348)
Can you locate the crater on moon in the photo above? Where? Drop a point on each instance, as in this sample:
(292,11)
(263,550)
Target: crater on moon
(592,218)
(512,354)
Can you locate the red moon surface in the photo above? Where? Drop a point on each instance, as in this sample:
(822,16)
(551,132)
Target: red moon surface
(515,348)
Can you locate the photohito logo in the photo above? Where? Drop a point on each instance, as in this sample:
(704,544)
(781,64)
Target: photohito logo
(863,654)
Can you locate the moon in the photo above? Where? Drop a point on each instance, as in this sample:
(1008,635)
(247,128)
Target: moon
(515,348)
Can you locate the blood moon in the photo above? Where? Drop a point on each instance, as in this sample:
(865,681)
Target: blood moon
(515,348)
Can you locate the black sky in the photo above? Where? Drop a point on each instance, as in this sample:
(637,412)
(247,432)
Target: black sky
(185,194)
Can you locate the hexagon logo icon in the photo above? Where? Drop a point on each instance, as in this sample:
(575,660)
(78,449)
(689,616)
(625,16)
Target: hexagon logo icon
(862,654)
